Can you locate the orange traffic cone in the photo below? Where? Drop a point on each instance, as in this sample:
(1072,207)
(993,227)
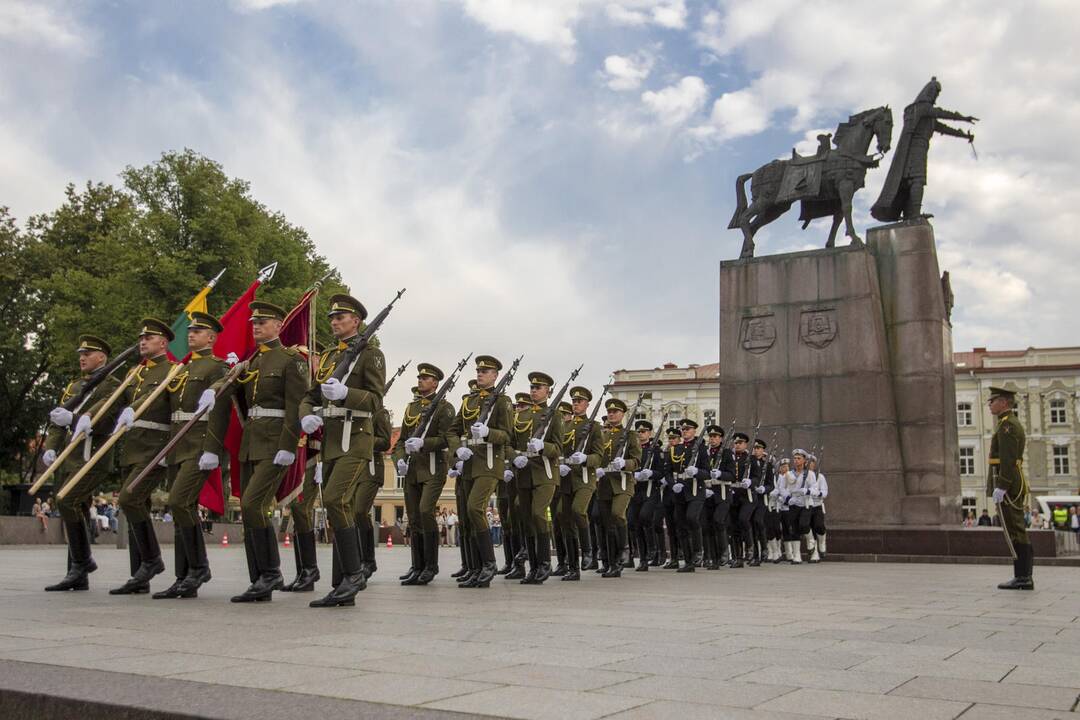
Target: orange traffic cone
(389,541)
(224,539)
(287,542)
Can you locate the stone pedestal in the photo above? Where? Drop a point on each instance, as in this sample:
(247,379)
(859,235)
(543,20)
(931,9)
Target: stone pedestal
(849,350)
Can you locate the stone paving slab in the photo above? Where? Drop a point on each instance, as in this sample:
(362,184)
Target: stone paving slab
(836,640)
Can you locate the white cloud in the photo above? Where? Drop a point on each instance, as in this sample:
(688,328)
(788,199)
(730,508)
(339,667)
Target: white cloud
(36,24)
(627,72)
(677,103)
(665,13)
(257,5)
(543,22)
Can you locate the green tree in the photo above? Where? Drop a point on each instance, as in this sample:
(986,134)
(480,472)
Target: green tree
(109,256)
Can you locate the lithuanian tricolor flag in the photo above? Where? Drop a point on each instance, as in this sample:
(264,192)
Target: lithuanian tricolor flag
(179,347)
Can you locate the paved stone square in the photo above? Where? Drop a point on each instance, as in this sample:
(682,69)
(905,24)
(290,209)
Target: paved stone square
(836,640)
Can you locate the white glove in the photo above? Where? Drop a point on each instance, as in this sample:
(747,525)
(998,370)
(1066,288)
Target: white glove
(402,467)
(578,458)
(999,495)
(663,482)
(520,461)
(48,457)
(536,445)
(232,359)
(82,425)
(60,416)
(785,494)
(332,389)
(775,492)
(455,471)
(691,471)
(600,472)
(638,477)
(745,483)
(709,482)
(208,461)
(206,401)
(760,489)
(318,474)
(310,423)
(284,458)
(126,419)
(646,474)
(618,463)
(463,453)
(413,445)
(479,430)
(508,475)
(709,494)
(677,487)
(564,470)
(816,492)
(714,474)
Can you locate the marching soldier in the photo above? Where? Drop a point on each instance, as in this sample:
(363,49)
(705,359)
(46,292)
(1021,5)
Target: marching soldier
(270,392)
(196,455)
(345,410)
(1008,487)
(764,485)
(578,483)
(687,475)
(789,519)
(513,519)
(773,522)
(742,498)
(302,512)
(817,510)
(798,485)
(371,481)
(479,449)
(566,414)
(75,506)
(666,529)
(615,480)
(422,465)
(721,466)
(639,514)
(537,462)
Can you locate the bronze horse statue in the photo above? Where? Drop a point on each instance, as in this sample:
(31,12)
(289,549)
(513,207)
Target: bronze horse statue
(824,182)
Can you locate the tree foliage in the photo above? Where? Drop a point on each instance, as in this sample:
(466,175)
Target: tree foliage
(109,256)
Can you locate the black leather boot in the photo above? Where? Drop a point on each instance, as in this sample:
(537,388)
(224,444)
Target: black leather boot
(520,554)
(150,564)
(352,579)
(472,561)
(464,557)
(543,557)
(530,548)
(688,554)
(198,573)
(368,566)
(588,557)
(268,562)
(77,577)
(431,558)
(573,561)
(560,555)
(1022,570)
(180,562)
(290,586)
(614,545)
(416,547)
(488,566)
(508,551)
(308,573)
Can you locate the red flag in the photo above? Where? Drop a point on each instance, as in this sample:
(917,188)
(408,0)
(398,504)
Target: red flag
(235,337)
(296,330)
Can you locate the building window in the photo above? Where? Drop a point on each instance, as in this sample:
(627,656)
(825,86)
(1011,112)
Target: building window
(673,420)
(964,417)
(967,461)
(710,417)
(967,504)
(640,416)
(1061,459)
(1057,411)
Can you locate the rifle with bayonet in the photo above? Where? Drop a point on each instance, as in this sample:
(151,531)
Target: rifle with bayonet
(541,430)
(584,441)
(358,344)
(400,371)
(424,423)
(499,389)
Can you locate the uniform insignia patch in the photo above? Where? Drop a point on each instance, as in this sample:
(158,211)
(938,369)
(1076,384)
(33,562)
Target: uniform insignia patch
(302,367)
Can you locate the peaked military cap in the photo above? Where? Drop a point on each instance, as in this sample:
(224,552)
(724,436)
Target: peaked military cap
(687,422)
(429,370)
(643,425)
(673,432)
(799,451)
(539,378)
(262,310)
(996,392)
(580,393)
(741,436)
(153,326)
(714,430)
(342,303)
(92,343)
(614,404)
(522,397)
(566,407)
(758,442)
(204,321)
(487,362)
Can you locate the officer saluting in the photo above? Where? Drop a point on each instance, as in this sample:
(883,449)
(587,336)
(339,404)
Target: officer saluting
(1007,485)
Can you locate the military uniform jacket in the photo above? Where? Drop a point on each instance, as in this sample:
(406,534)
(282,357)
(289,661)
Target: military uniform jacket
(431,462)
(348,425)
(1007,458)
(488,453)
(762,473)
(201,372)
(619,483)
(583,475)
(721,459)
(151,431)
(798,486)
(269,392)
(652,458)
(543,467)
(678,458)
(745,468)
(59,437)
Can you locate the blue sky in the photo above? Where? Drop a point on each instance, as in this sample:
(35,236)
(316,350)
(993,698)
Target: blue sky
(555,177)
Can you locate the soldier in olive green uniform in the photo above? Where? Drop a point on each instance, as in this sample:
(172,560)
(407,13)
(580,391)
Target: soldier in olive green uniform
(617,484)
(422,464)
(512,519)
(579,480)
(344,409)
(143,440)
(479,448)
(1008,487)
(537,461)
(566,413)
(270,391)
(196,455)
(371,481)
(302,512)
(75,506)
